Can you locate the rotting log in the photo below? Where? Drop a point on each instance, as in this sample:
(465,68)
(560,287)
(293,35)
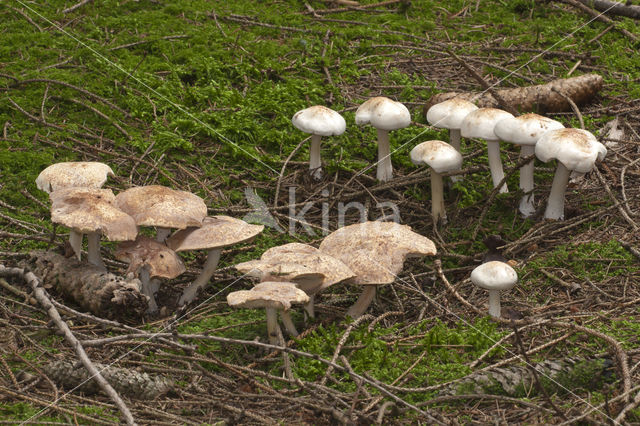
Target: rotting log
(101,293)
(543,98)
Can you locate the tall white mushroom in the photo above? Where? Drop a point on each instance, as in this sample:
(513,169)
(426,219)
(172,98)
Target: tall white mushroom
(494,276)
(319,121)
(576,150)
(442,158)
(525,131)
(385,115)
(480,124)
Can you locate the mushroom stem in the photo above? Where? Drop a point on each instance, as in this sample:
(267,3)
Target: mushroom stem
(495,164)
(208,269)
(75,240)
(527,207)
(272,325)
(555,205)
(385,169)
(437,198)
(494,303)
(143,275)
(363,302)
(315,164)
(309,307)
(162,234)
(93,250)
(288,323)
(454,140)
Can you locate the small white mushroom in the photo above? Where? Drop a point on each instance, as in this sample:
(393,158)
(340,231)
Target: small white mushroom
(494,276)
(442,158)
(385,115)
(319,121)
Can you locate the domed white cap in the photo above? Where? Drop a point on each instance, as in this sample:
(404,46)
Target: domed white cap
(383,113)
(494,275)
(525,129)
(577,149)
(438,155)
(319,120)
(450,113)
(481,122)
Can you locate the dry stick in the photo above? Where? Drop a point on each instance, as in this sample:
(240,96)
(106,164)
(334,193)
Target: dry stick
(576,420)
(599,16)
(613,198)
(571,286)
(623,413)
(355,8)
(614,8)
(634,251)
(447,398)
(44,300)
(623,191)
(572,104)
(138,43)
(97,112)
(284,166)
(76,6)
(25,16)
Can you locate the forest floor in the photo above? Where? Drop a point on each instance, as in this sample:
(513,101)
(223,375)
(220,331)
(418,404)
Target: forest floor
(199,95)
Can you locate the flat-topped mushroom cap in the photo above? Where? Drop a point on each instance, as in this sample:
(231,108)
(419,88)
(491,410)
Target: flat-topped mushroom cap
(215,232)
(295,262)
(92,210)
(494,275)
(375,251)
(577,149)
(438,155)
(525,129)
(319,120)
(268,294)
(87,174)
(144,251)
(450,113)
(163,207)
(481,122)
(383,113)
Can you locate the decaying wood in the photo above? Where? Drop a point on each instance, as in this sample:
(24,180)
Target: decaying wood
(131,383)
(600,17)
(103,294)
(541,98)
(613,8)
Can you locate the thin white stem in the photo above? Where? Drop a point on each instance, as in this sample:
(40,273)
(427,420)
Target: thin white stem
(75,240)
(454,140)
(288,323)
(315,163)
(527,207)
(272,325)
(494,303)
(495,164)
(162,234)
(363,302)
(385,169)
(203,279)
(309,307)
(437,198)
(555,205)
(93,250)
(146,289)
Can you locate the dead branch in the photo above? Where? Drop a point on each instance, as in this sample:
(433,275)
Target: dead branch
(614,8)
(599,16)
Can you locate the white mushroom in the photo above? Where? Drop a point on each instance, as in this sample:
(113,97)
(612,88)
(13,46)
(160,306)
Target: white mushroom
(494,276)
(480,124)
(385,115)
(442,158)
(525,131)
(319,121)
(576,150)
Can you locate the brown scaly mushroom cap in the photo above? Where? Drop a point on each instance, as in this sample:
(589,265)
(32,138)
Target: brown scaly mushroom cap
(215,232)
(86,174)
(144,251)
(268,294)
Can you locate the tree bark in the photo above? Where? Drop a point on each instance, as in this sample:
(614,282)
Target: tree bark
(613,8)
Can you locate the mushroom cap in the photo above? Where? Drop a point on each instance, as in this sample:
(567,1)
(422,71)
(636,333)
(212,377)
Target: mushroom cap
(375,251)
(297,262)
(319,120)
(144,251)
(215,232)
(383,113)
(481,122)
(494,275)
(92,210)
(268,294)
(160,206)
(525,129)
(438,155)
(450,113)
(87,174)
(577,149)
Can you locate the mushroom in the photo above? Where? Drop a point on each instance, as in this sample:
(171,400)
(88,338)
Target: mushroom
(319,121)
(375,252)
(385,115)
(87,174)
(494,276)
(442,158)
(274,297)
(525,131)
(150,259)
(480,124)
(306,266)
(91,211)
(216,232)
(576,150)
(162,207)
